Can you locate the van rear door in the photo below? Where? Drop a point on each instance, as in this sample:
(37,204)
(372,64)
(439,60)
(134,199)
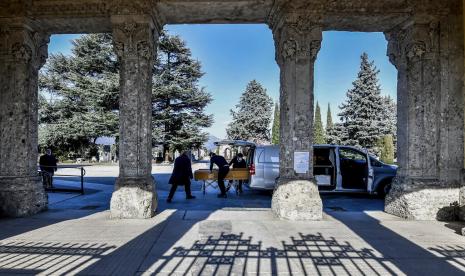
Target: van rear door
(257,179)
(371,174)
(271,166)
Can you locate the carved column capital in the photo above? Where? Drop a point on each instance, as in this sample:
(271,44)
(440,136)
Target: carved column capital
(413,42)
(295,44)
(134,40)
(22,44)
(136,26)
(296,35)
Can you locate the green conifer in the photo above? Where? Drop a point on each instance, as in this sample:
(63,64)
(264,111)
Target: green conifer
(275,129)
(252,118)
(318,131)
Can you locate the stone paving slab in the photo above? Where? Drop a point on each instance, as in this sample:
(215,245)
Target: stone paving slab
(171,244)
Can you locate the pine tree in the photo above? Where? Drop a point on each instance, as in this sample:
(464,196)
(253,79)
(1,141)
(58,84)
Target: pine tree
(78,100)
(337,135)
(84,92)
(252,118)
(329,119)
(318,132)
(178,102)
(362,114)
(275,129)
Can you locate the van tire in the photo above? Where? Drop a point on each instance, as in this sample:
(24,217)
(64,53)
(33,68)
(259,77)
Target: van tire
(384,188)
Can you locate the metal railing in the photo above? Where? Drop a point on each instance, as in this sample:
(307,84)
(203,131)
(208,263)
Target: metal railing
(47,177)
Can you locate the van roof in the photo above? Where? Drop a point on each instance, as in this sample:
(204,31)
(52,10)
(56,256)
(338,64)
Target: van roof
(315,145)
(235,143)
(320,146)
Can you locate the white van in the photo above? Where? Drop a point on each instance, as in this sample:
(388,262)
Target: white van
(335,168)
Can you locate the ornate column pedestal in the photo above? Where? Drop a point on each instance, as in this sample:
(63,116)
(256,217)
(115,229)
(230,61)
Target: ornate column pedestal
(430,118)
(135,194)
(22,52)
(297,41)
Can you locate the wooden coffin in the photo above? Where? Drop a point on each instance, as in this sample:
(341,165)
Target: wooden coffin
(234,174)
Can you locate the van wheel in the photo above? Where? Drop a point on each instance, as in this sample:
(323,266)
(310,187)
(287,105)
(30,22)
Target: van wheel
(384,189)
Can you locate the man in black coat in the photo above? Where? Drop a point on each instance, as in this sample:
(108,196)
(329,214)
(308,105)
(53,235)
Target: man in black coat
(181,176)
(223,170)
(48,165)
(237,162)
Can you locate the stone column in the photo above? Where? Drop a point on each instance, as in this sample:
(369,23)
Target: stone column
(430,119)
(22,52)
(134,40)
(462,188)
(296,196)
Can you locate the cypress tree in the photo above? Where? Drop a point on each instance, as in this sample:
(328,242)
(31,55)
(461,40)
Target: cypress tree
(275,128)
(318,132)
(252,117)
(329,119)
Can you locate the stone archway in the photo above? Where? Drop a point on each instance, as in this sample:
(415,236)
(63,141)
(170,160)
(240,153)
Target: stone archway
(425,43)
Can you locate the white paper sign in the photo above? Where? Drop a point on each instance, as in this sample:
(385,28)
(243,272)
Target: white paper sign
(301,161)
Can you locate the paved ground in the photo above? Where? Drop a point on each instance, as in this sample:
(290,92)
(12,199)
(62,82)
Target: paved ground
(210,236)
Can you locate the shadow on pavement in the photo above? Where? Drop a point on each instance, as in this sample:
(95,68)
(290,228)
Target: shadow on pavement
(401,251)
(233,254)
(178,246)
(182,244)
(306,254)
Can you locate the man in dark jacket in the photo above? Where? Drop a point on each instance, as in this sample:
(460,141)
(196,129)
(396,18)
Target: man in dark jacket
(181,176)
(48,166)
(237,162)
(223,170)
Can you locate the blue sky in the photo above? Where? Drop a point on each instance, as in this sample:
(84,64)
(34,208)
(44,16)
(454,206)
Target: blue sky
(232,55)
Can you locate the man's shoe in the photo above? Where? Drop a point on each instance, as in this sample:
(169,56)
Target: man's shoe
(168,200)
(190,197)
(222,196)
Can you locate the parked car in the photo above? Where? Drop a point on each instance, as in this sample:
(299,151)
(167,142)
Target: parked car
(336,168)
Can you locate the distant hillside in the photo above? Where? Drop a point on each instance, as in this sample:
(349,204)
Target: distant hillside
(209,145)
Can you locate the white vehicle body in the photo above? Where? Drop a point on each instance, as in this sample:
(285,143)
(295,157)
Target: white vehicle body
(336,168)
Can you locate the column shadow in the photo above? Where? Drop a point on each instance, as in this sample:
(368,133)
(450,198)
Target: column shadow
(236,254)
(17,257)
(405,254)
